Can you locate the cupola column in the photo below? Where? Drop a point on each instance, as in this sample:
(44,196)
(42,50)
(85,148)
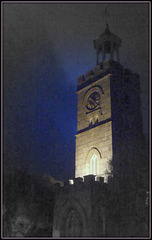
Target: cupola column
(107,43)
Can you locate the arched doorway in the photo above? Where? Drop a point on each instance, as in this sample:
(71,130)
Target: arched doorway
(73,220)
(73,225)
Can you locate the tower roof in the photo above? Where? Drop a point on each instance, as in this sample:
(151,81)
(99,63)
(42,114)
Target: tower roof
(107,43)
(107,35)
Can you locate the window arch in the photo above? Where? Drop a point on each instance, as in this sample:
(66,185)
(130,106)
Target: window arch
(92,161)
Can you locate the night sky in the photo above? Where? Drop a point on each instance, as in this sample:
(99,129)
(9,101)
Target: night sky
(46,47)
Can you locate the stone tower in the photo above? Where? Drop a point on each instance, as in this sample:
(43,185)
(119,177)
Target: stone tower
(109,127)
(108,110)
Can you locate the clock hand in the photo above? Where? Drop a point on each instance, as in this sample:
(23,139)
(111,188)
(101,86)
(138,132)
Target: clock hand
(92,102)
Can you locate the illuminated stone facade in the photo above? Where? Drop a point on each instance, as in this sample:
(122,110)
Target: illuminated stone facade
(107,101)
(94,126)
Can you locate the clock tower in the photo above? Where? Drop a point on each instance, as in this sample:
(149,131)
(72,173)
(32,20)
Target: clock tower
(109,129)
(108,110)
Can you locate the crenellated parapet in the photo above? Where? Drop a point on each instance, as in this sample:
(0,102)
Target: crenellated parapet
(109,66)
(81,202)
(88,181)
(101,70)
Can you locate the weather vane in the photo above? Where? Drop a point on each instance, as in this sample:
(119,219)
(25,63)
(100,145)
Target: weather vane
(106,12)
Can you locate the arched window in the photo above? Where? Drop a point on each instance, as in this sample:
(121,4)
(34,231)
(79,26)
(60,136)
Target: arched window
(93,164)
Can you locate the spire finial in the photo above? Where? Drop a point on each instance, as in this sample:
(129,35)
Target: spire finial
(106,12)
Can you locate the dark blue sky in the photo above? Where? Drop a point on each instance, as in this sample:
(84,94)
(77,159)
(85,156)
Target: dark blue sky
(46,47)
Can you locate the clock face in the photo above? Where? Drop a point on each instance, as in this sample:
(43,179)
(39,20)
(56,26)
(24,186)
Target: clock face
(93,101)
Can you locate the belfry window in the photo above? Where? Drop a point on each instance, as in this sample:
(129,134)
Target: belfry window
(93,164)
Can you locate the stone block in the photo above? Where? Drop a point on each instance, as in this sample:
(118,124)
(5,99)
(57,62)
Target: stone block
(89,179)
(105,148)
(80,79)
(89,74)
(100,179)
(107,154)
(97,69)
(78,180)
(108,133)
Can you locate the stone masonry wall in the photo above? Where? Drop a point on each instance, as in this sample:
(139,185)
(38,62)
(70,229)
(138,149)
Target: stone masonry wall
(98,138)
(79,209)
(94,129)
